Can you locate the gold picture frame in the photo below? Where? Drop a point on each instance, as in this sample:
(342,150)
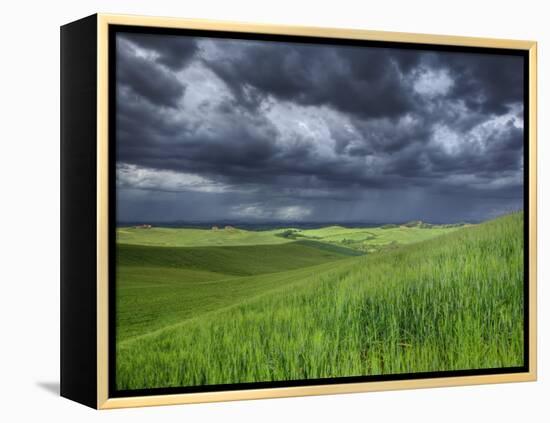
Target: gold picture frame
(102,398)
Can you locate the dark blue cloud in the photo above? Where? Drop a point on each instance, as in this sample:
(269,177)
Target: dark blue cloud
(448,148)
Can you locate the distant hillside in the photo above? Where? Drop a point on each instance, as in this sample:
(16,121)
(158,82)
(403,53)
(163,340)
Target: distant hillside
(233,260)
(190,237)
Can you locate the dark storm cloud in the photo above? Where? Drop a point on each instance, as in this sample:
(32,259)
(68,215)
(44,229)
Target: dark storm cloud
(146,78)
(153,139)
(172,51)
(362,82)
(502,153)
(323,132)
(487,83)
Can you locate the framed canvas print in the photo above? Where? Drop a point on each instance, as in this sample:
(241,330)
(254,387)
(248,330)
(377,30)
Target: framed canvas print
(254,211)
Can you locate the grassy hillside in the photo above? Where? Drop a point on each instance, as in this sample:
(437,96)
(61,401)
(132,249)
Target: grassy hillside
(161,285)
(150,300)
(373,239)
(189,237)
(234,260)
(452,302)
(359,239)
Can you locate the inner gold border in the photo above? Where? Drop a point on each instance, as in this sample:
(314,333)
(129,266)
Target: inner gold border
(103,400)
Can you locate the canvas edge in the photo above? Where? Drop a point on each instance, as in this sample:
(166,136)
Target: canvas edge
(532,219)
(103,400)
(77,278)
(102,213)
(345,388)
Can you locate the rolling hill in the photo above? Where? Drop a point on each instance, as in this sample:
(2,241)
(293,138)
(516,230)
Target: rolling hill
(451,302)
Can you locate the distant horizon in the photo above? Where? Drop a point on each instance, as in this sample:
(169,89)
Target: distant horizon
(283,222)
(276,224)
(286,223)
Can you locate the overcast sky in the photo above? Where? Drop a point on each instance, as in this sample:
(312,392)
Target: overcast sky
(217,129)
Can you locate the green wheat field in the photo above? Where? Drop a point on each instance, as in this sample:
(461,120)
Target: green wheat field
(227,305)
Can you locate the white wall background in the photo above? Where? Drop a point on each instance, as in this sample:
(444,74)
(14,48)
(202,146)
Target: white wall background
(29,236)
